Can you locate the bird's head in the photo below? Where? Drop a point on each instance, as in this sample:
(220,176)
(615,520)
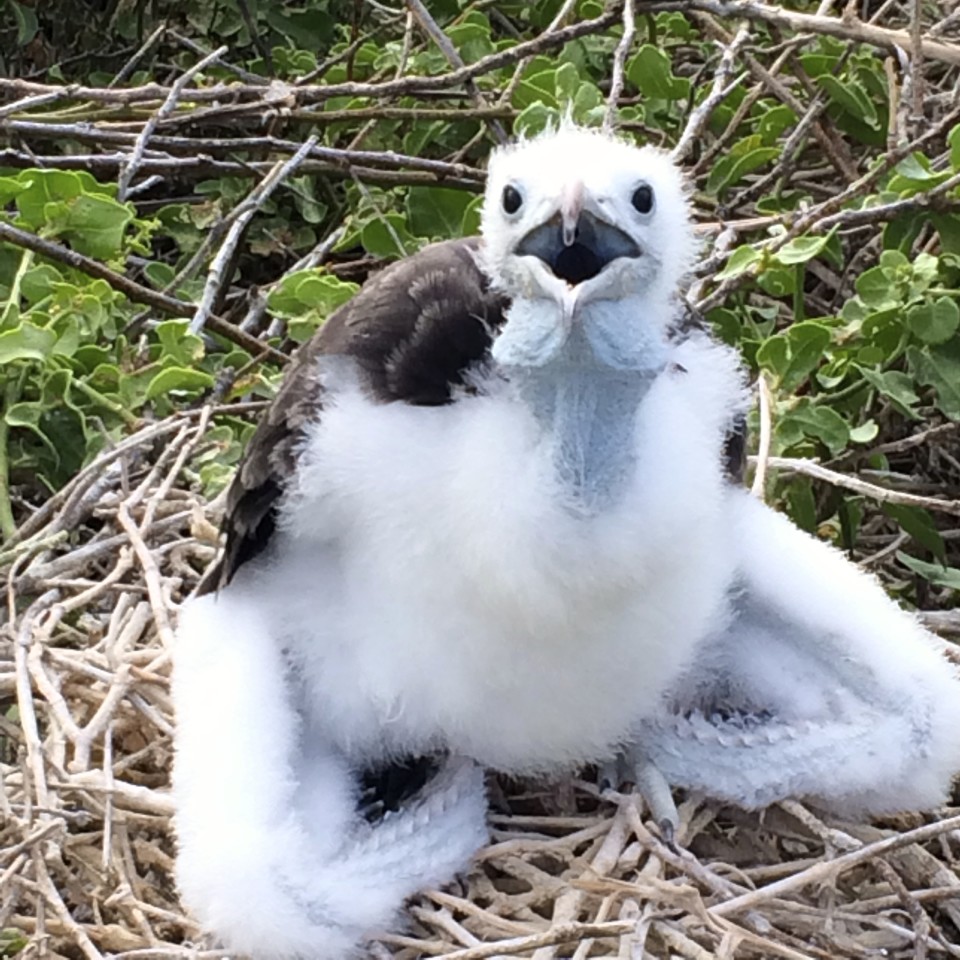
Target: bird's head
(575,216)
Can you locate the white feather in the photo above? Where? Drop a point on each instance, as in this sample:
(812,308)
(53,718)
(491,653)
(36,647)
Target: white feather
(866,710)
(532,577)
(462,603)
(272,854)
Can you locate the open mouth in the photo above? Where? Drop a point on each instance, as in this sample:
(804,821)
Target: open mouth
(595,244)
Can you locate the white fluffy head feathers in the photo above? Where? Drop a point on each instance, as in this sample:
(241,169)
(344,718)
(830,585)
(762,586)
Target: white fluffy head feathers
(576,208)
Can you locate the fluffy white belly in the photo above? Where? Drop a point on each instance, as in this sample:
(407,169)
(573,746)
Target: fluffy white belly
(434,590)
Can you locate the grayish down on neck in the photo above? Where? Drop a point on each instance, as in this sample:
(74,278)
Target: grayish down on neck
(585,393)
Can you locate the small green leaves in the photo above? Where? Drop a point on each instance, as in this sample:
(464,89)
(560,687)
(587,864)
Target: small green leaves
(954,140)
(895,386)
(877,289)
(807,420)
(851,96)
(935,573)
(306,298)
(436,212)
(743,157)
(739,261)
(919,524)
(793,355)
(94,225)
(651,73)
(181,380)
(939,367)
(26,341)
(934,321)
(802,249)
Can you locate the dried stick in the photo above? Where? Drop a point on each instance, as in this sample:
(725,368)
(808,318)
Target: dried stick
(619,65)
(318,93)
(813,469)
(432,29)
(135,291)
(844,28)
(762,459)
(720,89)
(828,869)
(242,216)
(167,107)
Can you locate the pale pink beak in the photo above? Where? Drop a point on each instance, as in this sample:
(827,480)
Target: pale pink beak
(571,206)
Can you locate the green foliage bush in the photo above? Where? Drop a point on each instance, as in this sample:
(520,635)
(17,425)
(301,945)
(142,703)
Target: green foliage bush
(852,316)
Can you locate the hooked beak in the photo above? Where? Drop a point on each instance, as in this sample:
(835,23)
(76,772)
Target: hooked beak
(571,206)
(575,244)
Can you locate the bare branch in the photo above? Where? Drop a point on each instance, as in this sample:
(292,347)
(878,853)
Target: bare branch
(619,65)
(242,215)
(135,291)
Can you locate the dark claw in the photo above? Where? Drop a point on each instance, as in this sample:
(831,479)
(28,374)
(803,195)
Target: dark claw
(668,835)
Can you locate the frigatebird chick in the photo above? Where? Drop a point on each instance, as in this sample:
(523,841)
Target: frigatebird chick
(488,523)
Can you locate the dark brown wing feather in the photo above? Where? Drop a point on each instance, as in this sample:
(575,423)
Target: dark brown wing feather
(413,330)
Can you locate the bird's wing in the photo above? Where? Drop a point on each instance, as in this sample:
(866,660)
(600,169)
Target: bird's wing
(413,330)
(818,686)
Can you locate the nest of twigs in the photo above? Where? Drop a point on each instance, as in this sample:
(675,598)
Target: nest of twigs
(86,868)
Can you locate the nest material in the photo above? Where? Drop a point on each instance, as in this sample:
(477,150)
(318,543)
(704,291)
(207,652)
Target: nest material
(86,849)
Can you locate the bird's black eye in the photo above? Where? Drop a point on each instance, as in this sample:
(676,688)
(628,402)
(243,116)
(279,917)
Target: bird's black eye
(511,199)
(642,199)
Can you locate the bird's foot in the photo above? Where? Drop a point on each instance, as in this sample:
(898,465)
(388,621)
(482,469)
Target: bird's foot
(632,767)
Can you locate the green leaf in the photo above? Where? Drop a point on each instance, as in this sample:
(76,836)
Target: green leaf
(850,95)
(953,138)
(537,88)
(27,23)
(915,174)
(436,212)
(801,504)
(470,225)
(876,289)
(743,157)
(177,342)
(802,249)
(948,226)
(774,122)
(774,355)
(793,355)
(38,282)
(778,281)
(472,37)
(535,118)
(179,379)
(919,524)
(938,366)
(865,432)
(651,72)
(11,187)
(895,385)
(26,341)
(387,236)
(566,83)
(95,226)
(740,260)
(310,290)
(935,321)
(726,324)
(935,573)
(820,422)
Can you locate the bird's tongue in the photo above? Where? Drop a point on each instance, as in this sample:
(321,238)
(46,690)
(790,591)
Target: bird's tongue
(576,263)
